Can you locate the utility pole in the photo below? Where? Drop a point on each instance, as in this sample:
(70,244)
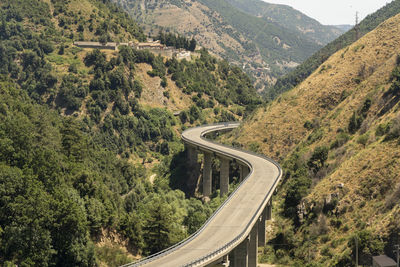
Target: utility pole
(357,28)
(397,251)
(356,239)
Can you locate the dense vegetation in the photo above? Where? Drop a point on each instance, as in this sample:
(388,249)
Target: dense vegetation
(77,147)
(177,41)
(60,188)
(225,83)
(301,72)
(288,17)
(262,33)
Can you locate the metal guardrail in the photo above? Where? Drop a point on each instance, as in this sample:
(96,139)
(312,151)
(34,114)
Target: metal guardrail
(227,247)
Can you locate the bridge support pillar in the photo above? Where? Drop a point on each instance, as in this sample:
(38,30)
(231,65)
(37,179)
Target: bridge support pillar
(207,174)
(253,246)
(192,155)
(193,170)
(268,210)
(244,171)
(225,261)
(261,228)
(240,255)
(224,176)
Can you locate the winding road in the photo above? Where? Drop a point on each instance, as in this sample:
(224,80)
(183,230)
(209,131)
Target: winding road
(233,221)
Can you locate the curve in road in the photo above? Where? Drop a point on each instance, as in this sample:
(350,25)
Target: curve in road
(233,221)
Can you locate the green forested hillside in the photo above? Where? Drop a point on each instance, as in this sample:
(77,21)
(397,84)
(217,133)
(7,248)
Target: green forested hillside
(301,72)
(83,162)
(290,18)
(59,188)
(262,33)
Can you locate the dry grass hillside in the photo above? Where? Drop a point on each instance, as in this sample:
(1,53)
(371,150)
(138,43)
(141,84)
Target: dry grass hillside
(329,95)
(337,137)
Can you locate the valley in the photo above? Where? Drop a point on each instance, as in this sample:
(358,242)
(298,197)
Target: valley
(266,45)
(93,170)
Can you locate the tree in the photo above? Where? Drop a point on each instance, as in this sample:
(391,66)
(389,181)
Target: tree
(164,148)
(157,229)
(73,141)
(96,58)
(368,245)
(70,230)
(103,39)
(183,116)
(131,227)
(197,215)
(61,50)
(298,187)
(80,28)
(25,216)
(318,158)
(192,45)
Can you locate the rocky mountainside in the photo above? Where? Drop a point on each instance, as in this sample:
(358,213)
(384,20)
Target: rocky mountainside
(266,45)
(337,135)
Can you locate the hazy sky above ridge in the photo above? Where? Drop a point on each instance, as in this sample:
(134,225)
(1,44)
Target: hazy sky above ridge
(334,12)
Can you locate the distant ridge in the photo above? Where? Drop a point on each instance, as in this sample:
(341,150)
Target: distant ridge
(290,18)
(266,45)
(344,27)
(300,73)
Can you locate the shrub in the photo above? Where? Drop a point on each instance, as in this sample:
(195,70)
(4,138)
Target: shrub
(166,94)
(394,131)
(340,140)
(72,68)
(358,117)
(254,146)
(363,139)
(354,123)
(61,50)
(308,125)
(393,199)
(316,135)
(336,222)
(164,82)
(382,129)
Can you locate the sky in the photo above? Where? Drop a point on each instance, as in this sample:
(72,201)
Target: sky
(334,12)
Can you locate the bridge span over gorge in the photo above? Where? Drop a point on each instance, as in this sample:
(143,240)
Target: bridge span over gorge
(233,233)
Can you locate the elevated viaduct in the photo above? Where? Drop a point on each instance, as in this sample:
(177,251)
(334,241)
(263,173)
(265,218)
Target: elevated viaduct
(232,234)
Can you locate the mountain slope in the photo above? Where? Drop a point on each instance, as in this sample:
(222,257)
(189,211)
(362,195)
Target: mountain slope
(263,47)
(300,73)
(289,18)
(337,135)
